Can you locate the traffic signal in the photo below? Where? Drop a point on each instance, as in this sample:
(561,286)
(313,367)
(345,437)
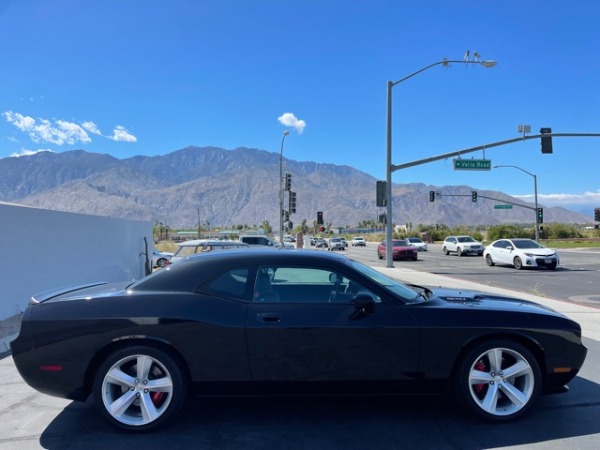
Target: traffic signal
(286,215)
(546,140)
(540,215)
(380,191)
(597,214)
(288,181)
(320,218)
(292,202)
(432,196)
(473,196)
(321,229)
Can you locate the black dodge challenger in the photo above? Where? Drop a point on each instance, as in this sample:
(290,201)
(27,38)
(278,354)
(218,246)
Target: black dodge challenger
(284,321)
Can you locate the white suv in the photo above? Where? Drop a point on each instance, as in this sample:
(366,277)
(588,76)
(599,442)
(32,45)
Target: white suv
(462,245)
(336,244)
(358,241)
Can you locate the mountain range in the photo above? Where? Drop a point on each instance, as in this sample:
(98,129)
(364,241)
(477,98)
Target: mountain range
(218,187)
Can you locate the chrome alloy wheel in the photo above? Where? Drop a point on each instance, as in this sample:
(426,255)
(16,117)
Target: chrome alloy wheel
(501,382)
(137,390)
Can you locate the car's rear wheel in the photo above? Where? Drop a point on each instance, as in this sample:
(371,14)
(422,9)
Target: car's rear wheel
(139,388)
(162,262)
(498,380)
(489,260)
(517,263)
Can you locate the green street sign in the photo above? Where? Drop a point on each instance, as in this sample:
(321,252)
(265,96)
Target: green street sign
(472,164)
(502,206)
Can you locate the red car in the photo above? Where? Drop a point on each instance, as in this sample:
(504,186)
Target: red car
(401,249)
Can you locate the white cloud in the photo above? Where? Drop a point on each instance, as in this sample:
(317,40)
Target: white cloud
(25,152)
(563,199)
(290,120)
(60,132)
(91,127)
(120,134)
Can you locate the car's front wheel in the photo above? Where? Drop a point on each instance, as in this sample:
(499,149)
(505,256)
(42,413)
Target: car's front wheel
(489,260)
(459,251)
(445,251)
(498,380)
(518,263)
(139,388)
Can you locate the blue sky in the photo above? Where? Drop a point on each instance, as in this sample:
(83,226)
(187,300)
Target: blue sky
(149,77)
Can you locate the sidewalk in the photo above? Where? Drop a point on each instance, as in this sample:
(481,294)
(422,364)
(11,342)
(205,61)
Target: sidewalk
(9,328)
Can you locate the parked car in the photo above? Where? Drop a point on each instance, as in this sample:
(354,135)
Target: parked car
(520,253)
(161,259)
(462,245)
(220,322)
(358,241)
(344,241)
(321,243)
(188,248)
(417,242)
(401,249)
(336,243)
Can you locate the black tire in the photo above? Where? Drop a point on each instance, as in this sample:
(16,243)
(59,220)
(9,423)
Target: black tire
(459,251)
(379,254)
(518,263)
(158,388)
(488,260)
(445,250)
(498,380)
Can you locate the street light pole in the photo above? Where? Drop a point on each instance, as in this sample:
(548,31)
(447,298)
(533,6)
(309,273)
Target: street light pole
(535,193)
(389,166)
(285,133)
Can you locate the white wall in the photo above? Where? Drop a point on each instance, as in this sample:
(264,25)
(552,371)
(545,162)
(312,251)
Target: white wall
(42,250)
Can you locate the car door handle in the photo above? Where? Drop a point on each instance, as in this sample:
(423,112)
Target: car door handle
(268,317)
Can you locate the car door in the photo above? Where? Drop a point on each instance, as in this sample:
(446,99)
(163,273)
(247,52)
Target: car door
(305,333)
(451,244)
(503,252)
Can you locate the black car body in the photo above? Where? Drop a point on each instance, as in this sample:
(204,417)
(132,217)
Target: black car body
(273,322)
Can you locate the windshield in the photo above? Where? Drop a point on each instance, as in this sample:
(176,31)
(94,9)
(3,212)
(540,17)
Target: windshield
(399,289)
(466,239)
(527,243)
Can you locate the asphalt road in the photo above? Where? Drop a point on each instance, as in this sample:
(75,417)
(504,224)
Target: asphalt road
(30,420)
(576,279)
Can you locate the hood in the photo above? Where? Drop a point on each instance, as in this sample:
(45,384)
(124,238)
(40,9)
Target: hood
(467,299)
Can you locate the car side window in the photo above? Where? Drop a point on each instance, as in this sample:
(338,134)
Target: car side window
(231,283)
(305,285)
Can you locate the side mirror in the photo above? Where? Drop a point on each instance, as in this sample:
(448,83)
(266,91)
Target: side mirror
(364,302)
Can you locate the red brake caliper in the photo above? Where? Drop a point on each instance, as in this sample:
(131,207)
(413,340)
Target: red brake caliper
(157,397)
(481,367)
